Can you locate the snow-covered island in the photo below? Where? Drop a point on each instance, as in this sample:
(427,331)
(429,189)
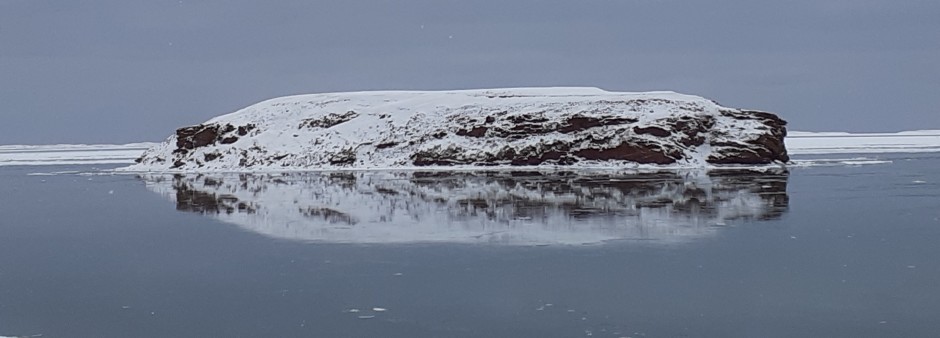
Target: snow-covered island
(474,128)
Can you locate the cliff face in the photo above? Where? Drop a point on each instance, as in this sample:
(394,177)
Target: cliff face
(511,127)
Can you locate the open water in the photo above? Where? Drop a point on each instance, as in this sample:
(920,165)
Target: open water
(823,251)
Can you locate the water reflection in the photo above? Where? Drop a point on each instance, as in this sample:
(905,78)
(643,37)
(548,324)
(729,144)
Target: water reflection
(508,208)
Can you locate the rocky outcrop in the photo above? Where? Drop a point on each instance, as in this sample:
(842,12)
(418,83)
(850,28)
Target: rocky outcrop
(768,145)
(191,138)
(499,127)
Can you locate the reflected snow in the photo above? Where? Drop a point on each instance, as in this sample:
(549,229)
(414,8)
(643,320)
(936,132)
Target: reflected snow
(512,208)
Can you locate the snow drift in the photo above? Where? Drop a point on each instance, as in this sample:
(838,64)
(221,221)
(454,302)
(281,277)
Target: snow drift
(494,127)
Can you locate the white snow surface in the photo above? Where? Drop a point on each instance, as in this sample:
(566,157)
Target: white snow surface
(396,117)
(806,143)
(59,154)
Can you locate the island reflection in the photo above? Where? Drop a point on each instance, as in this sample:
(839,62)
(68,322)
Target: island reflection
(516,208)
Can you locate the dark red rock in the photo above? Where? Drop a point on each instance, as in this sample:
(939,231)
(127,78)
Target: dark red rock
(655,131)
(196,136)
(243,130)
(329,120)
(579,123)
(765,149)
(640,153)
(478,131)
(386,145)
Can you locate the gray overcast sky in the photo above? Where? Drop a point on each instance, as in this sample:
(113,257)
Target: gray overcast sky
(75,71)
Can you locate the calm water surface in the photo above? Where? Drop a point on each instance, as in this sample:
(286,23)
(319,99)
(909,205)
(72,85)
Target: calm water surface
(835,251)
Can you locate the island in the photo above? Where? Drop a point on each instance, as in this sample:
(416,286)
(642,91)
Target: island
(513,127)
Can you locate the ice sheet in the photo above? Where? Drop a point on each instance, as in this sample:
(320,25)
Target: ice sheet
(59,154)
(806,143)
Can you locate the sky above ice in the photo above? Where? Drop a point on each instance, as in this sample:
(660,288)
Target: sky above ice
(123,71)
